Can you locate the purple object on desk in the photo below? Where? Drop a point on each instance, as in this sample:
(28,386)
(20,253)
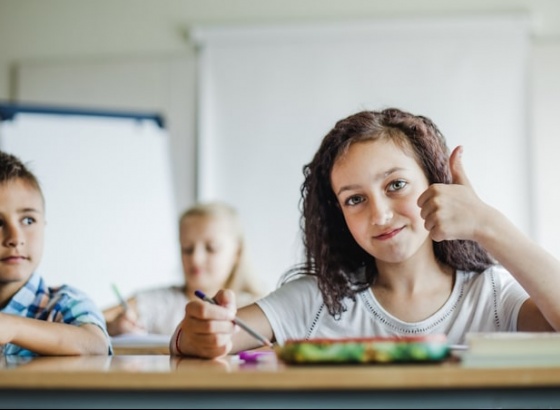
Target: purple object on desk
(250,356)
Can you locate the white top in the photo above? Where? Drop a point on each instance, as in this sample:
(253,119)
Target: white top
(161,309)
(484,302)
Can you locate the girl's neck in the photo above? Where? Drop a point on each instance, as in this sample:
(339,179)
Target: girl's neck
(422,271)
(415,290)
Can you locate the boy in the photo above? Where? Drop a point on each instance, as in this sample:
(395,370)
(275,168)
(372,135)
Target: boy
(36,319)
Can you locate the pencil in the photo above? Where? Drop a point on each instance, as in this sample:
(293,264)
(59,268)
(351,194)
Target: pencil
(122,301)
(237,321)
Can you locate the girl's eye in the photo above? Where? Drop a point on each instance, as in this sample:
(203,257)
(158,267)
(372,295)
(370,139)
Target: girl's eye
(397,185)
(188,251)
(212,248)
(354,200)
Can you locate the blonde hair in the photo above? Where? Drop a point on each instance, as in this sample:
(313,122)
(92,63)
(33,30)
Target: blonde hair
(242,277)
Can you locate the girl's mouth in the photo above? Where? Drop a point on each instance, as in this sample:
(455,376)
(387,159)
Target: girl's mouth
(388,234)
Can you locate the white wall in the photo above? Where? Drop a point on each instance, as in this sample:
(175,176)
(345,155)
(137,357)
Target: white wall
(161,83)
(269,94)
(53,29)
(545,99)
(62,31)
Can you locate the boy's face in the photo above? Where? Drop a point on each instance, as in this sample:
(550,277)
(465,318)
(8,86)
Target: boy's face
(22,226)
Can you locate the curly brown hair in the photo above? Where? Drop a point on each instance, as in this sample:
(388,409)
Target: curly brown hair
(341,266)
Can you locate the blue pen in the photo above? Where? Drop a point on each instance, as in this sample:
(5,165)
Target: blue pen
(237,321)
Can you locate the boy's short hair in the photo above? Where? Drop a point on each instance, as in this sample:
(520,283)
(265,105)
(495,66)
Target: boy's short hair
(12,169)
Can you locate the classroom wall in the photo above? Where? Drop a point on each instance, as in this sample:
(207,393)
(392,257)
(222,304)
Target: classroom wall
(40,32)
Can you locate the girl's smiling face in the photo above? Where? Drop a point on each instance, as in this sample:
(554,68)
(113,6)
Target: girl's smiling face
(377,184)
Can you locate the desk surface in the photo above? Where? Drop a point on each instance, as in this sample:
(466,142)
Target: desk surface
(165,372)
(147,378)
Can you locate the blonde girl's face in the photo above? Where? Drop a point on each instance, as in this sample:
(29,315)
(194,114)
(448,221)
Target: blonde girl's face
(210,250)
(377,185)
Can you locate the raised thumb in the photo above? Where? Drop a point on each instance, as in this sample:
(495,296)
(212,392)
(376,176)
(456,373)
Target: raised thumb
(458,175)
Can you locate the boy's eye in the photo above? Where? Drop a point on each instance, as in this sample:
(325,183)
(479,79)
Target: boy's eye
(354,200)
(397,185)
(28,220)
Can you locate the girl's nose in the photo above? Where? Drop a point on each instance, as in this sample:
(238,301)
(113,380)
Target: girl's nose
(380,213)
(198,255)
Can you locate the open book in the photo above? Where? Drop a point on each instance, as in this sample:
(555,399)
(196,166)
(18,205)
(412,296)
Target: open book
(512,349)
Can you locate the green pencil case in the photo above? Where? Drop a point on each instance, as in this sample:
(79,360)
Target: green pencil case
(403,349)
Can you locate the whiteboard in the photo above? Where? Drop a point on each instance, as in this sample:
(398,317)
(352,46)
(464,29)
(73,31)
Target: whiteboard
(110,207)
(268,95)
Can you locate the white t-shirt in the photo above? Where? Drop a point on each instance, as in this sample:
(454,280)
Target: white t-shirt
(161,309)
(484,302)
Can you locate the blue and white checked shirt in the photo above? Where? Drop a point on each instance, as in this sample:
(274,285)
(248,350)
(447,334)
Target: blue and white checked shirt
(63,304)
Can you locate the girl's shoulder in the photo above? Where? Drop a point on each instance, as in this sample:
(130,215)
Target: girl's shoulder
(300,287)
(494,275)
(300,281)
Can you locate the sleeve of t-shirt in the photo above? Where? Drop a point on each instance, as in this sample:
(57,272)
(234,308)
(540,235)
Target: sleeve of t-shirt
(292,308)
(511,297)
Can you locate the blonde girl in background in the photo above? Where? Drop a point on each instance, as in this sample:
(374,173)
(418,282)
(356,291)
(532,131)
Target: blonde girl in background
(214,256)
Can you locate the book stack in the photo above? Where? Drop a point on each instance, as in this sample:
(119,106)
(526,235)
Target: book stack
(512,349)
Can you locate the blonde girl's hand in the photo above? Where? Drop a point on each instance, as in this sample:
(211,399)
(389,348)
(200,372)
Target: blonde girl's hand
(453,211)
(125,322)
(207,329)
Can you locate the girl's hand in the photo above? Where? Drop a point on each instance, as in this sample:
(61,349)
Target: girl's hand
(453,211)
(207,329)
(125,322)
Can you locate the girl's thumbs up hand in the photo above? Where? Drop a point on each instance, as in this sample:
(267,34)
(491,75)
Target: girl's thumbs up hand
(458,174)
(452,211)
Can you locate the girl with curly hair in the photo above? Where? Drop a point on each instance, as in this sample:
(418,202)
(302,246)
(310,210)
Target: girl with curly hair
(396,243)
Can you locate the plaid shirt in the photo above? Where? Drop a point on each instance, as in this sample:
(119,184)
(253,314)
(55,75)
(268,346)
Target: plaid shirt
(62,304)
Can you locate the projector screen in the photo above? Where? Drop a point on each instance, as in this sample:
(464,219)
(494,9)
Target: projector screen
(110,206)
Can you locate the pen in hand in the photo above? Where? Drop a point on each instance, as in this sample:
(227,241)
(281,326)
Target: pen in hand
(122,301)
(237,321)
